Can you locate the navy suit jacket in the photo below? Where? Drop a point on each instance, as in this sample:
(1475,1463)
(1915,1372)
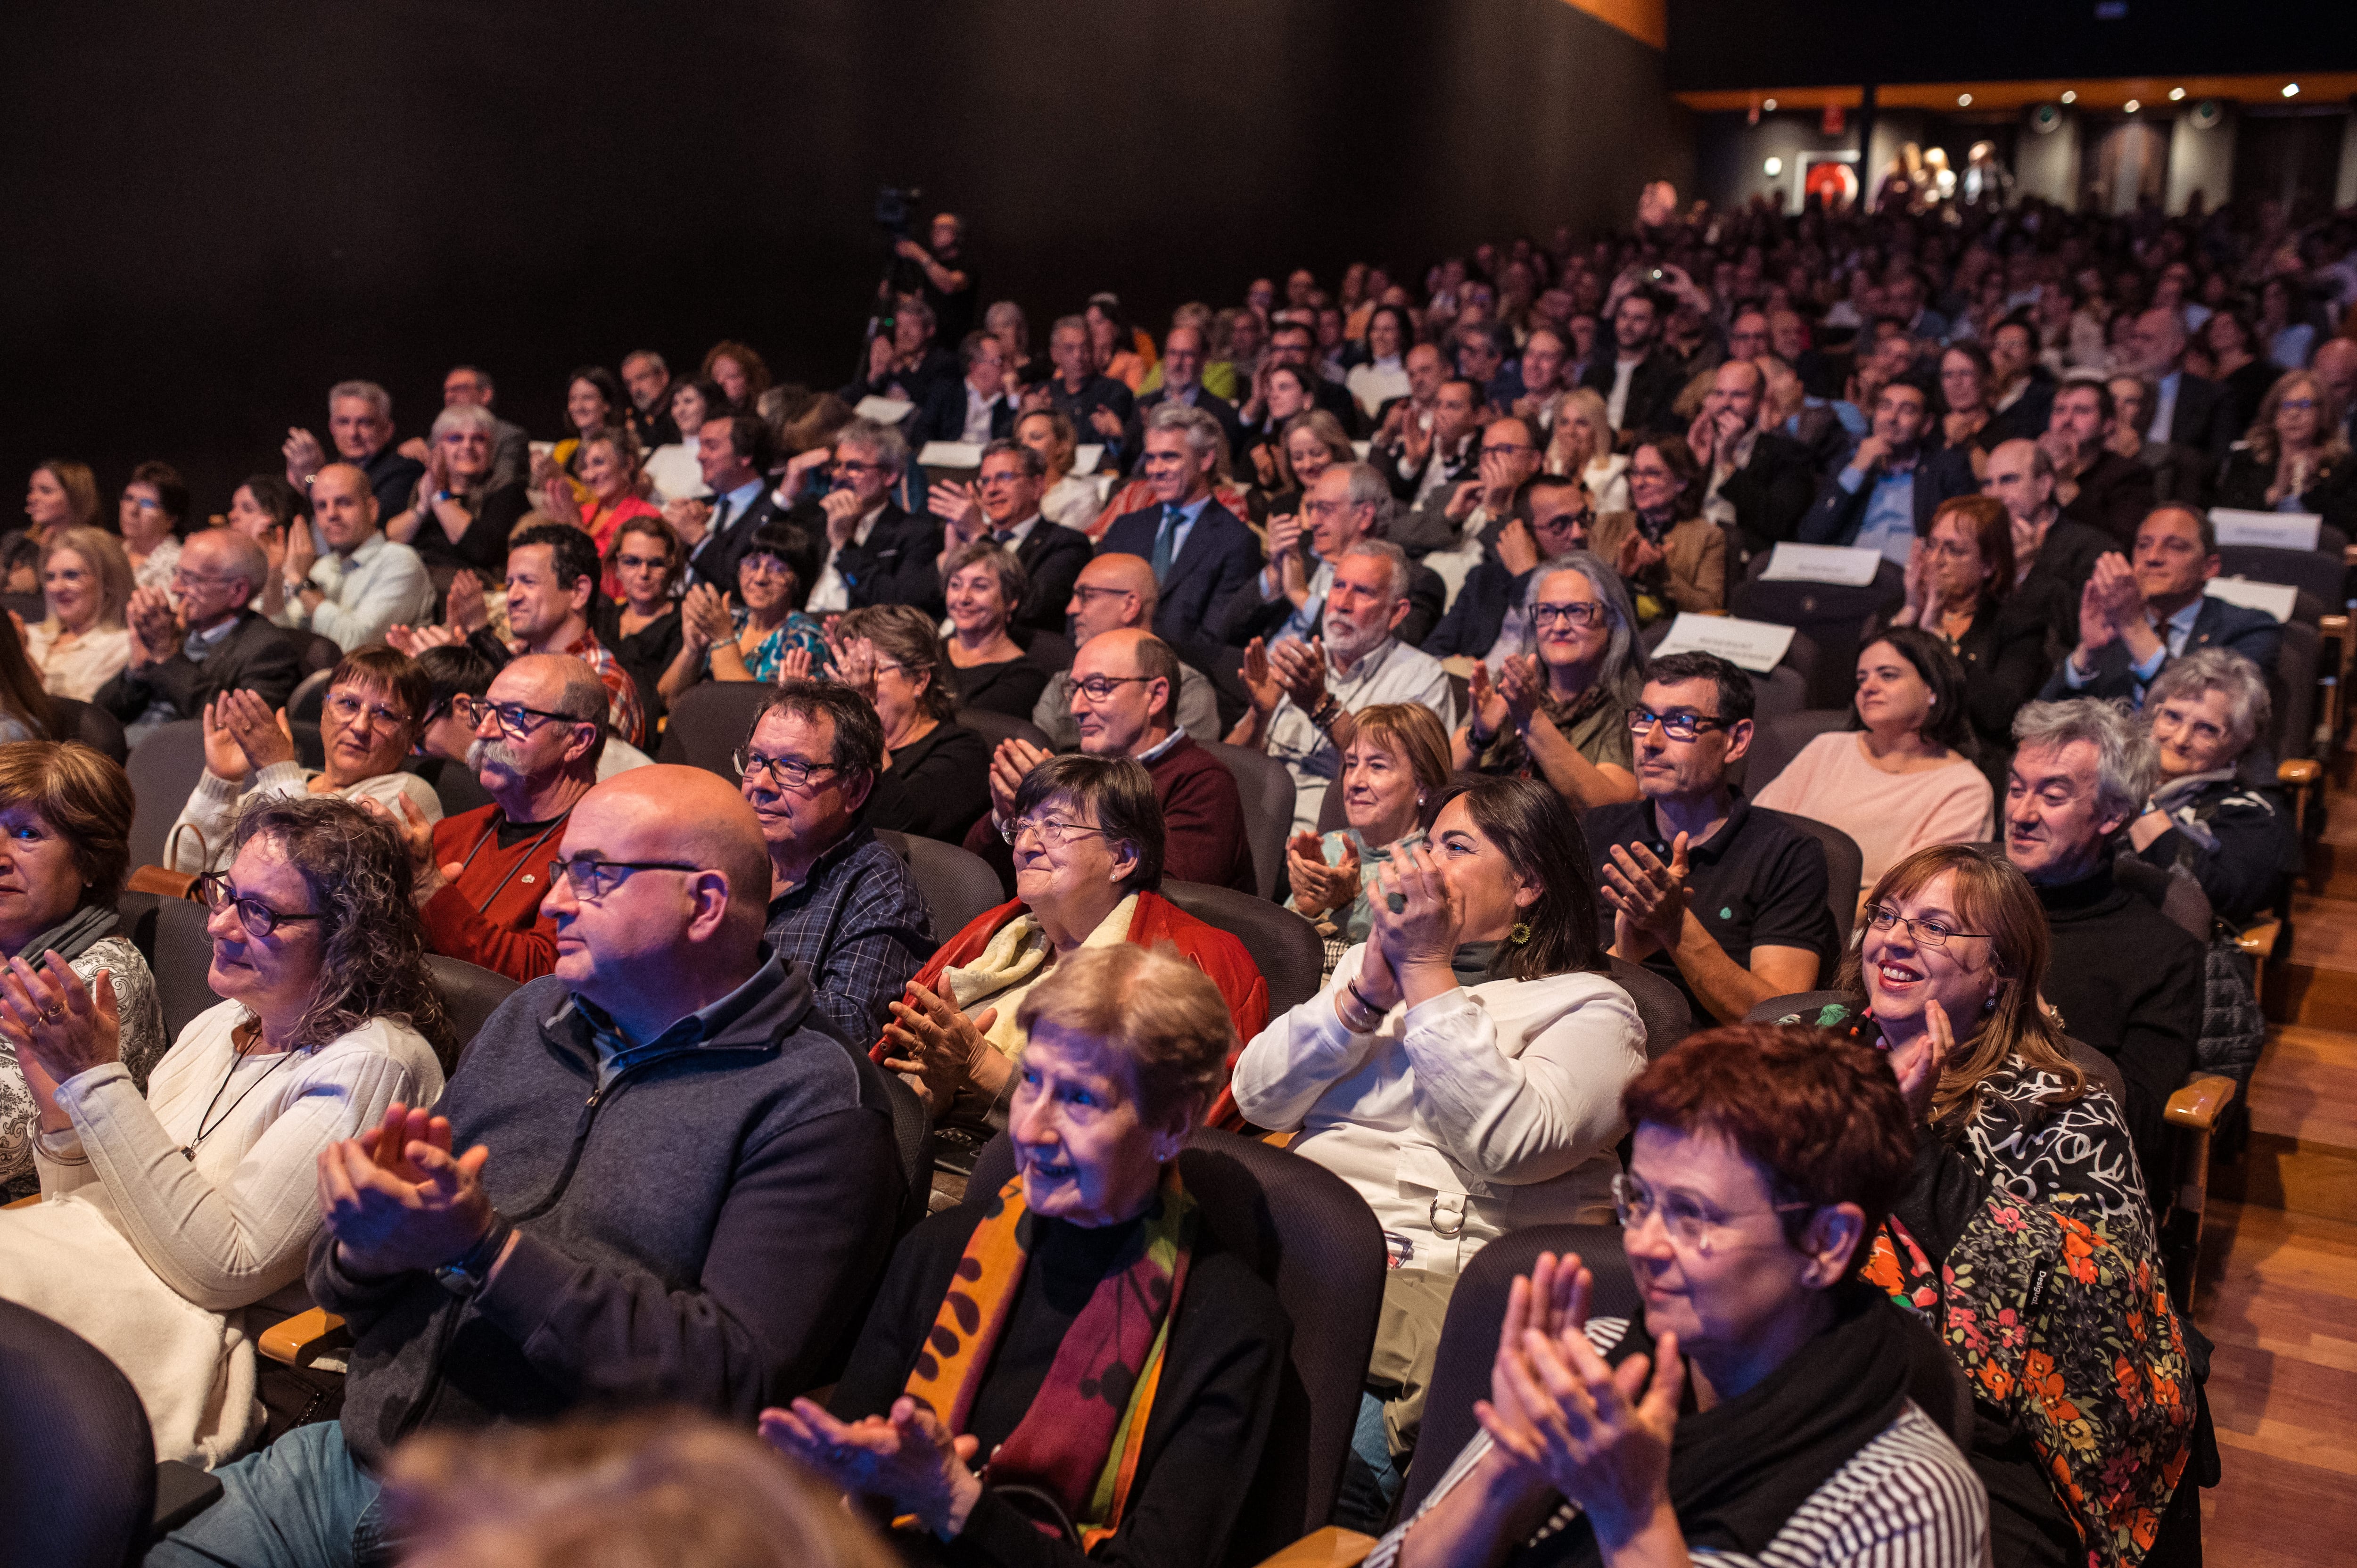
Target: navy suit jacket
(895,566)
(2254,634)
(714,560)
(1220,557)
(943,416)
(1473,622)
(1939,475)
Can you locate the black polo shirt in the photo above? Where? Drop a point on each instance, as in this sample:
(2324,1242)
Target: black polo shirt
(1758,882)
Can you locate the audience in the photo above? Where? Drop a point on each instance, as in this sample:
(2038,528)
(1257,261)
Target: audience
(510,447)
(1072,499)
(457,519)
(1509,454)
(205,639)
(1639,381)
(153,509)
(1117,593)
(175,1266)
(2125,978)
(1550,516)
(2296,456)
(1756,480)
(1435,449)
(2095,486)
(644,568)
(68,814)
(758,633)
(1003,506)
(649,382)
(26,711)
(876,554)
(1393,772)
(577,1283)
(1962,589)
(605,463)
(82,643)
(1579,446)
(2048,548)
(1889,486)
(61,494)
(1461,1070)
(1559,711)
(2206,714)
(371,717)
(843,908)
(1768,1157)
(1285,600)
(1303,694)
(367,584)
(1727,901)
(978,407)
(1162,1356)
(1671,557)
(1202,553)
(936,775)
(1903,776)
(1088,840)
(2133,619)
(732,454)
(986,660)
(360,424)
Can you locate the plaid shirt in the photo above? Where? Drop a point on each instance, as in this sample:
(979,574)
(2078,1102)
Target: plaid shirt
(861,928)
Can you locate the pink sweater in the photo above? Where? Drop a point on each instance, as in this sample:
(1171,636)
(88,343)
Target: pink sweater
(1891,815)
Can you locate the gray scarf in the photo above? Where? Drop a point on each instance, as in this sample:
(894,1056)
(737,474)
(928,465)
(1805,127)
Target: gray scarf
(74,935)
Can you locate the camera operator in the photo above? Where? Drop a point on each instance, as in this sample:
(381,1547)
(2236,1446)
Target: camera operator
(937,273)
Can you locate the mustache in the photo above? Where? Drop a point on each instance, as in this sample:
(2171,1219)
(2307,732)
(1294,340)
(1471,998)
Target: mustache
(498,753)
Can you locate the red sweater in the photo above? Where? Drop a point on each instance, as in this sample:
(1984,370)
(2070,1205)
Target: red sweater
(1202,823)
(489,914)
(1157,920)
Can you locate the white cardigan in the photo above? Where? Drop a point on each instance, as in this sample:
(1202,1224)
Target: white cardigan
(150,1255)
(214,804)
(1486,1109)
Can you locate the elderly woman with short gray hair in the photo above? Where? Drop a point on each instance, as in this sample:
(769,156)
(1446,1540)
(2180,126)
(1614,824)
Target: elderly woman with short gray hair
(2233,835)
(458,517)
(1560,711)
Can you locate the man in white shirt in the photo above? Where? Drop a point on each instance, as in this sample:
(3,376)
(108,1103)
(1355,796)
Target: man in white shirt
(876,552)
(1303,694)
(366,583)
(979,407)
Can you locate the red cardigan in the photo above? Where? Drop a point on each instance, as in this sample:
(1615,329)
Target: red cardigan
(1157,919)
(489,914)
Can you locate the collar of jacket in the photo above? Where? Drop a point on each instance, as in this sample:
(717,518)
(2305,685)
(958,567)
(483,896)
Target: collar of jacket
(757,1016)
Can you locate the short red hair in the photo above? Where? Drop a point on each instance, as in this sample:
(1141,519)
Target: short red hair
(1819,1113)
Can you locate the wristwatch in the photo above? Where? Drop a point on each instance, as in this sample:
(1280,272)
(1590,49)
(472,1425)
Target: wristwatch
(465,1275)
(1328,712)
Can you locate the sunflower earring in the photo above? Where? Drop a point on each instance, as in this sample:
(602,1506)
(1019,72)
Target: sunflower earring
(1520,934)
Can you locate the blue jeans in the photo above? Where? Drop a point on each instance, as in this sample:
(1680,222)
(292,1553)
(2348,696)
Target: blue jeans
(302,1502)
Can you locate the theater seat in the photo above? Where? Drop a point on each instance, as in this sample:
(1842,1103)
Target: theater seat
(1267,791)
(957,884)
(163,772)
(1289,950)
(710,722)
(90,724)
(471,994)
(995,727)
(183,955)
(1661,1005)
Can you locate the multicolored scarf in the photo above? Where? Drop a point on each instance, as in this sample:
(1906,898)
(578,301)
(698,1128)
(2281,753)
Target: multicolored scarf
(1081,1439)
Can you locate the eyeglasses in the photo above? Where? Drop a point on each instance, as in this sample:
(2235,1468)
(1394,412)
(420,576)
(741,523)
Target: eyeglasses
(785,772)
(1565,522)
(2295,405)
(764,566)
(517,721)
(184,578)
(1690,1228)
(258,918)
(593,878)
(1507,449)
(457,705)
(1929,933)
(1097,688)
(141,503)
(854,466)
(1054,833)
(346,707)
(1084,593)
(1677,726)
(1587,614)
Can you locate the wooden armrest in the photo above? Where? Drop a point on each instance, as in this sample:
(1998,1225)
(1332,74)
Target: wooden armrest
(2201,1102)
(306,1333)
(2259,942)
(1332,1547)
(23,1202)
(1279,1140)
(2349,554)
(2300,772)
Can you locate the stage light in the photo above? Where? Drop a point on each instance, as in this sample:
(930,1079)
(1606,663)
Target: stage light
(2175,94)
(1773,167)
(2292,90)
(1769,105)
(2068,96)
(1963,100)
(2132,106)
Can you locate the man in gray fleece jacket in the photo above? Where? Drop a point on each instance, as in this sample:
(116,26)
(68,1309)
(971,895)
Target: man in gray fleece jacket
(675,1188)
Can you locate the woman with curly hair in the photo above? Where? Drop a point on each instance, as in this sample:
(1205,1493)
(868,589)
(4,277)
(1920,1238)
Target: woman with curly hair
(175,1225)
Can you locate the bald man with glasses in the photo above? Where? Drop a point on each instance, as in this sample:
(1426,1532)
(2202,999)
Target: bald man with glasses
(202,637)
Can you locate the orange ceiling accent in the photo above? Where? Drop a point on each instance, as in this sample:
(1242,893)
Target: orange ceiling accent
(1647,21)
(2108,93)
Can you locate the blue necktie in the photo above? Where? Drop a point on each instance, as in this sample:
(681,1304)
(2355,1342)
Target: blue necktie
(1165,541)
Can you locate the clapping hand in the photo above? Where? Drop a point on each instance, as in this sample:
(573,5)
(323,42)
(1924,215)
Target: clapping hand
(1637,554)
(1419,919)
(1486,704)
(467,612)
(1105,423)
(48,1013)
(557,499)
(1009,764)
(687,519)
(956,505)
(1602,1435)
(304,455)
(855,665)
(1920,1066)
(1649,899)
(1260,677)
(155,627)
(1551,1300)
(704,616)
(936,1048)
(1522,683)
(1317,885)
(1300,668)
(396,1199)
(243,735)
(908,1459)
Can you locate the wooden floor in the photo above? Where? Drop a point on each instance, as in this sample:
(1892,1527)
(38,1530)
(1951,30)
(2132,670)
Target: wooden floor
(2277,1288)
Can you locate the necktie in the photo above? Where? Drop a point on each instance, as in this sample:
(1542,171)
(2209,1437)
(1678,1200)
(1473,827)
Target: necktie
(719,518)
(1163,539)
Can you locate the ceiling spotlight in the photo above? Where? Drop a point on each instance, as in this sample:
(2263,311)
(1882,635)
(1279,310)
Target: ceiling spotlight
(1774,168)
(1769,105)
(2292,90)
(1963,100)
(2176,93)
(2132,106)
(2068,96)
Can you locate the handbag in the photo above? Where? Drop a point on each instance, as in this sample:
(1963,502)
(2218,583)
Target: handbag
(167,883)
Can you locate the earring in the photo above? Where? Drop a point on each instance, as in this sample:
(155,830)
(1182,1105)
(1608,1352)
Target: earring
(1520,934)
(1988,1003)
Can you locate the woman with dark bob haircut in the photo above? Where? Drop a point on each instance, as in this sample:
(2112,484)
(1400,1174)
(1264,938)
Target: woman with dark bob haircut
(174,1224)
(936,783)
(1757,1405)
(1087,838)
(1902,775)
(1168,1353)
(1462,1070)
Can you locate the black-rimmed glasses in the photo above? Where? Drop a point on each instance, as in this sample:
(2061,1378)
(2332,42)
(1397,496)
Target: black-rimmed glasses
(1677,726)
(592,878)
(517,721)
(258,919)
(1928,933)
(784,772)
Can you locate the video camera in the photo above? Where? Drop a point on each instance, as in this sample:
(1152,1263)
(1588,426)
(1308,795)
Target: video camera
(893,207)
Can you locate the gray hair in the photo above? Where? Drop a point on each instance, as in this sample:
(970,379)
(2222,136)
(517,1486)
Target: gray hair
(1079,324)
(466,416)
(2249,709)
(1385,551)
(1367,488)
(1202,432)
(375,396)
(584,698)
(1004,314)
(649,355)
(890,448)
(1624,660)
(2124,764)
(246,561)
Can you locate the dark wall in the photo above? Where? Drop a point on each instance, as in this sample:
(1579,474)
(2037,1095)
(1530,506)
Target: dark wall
(1720,44)
(219,212)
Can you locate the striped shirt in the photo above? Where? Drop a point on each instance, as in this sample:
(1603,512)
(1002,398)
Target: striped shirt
(1906,1499)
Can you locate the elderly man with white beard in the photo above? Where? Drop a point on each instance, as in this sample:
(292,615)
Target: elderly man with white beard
(480,876)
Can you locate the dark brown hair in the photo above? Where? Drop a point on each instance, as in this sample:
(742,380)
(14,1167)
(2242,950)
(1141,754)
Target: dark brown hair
(1534,829)
(1120,792)
(22,695)
(393,673)
(858,733)
(1985,519)
(85,796)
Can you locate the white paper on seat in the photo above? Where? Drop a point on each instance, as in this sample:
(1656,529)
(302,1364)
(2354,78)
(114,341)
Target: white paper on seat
(1086,458)
(1851,565)
(2277,530)
(1754,645)
(883,410)
(2275,598)
(950,455)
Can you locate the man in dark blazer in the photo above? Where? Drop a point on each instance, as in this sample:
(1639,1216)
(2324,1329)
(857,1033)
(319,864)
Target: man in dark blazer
(1653,377)
(2133,619)
(733,452)
(214,641)
(1182,370)
(1758,481)
(2047,548)
(1201,552)
(1421,460)
(1550,515)
(978,406)
(1003,505)
(2188,411)
(877,554)
(2097,488)
(2021,390)
(1097,405)
(1885,495)
(1284,605)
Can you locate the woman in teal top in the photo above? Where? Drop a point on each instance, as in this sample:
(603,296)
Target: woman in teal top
(1392,772)
(756,633)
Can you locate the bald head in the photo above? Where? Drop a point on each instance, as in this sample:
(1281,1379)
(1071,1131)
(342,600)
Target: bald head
(227,554)
(662,923)
(343,506)
(2335,365)
(1114,591)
